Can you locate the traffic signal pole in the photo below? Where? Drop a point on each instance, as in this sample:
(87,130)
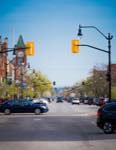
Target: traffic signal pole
(109,66)
(108,38)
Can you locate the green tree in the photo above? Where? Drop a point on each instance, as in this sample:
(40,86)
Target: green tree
(114,92)
(95,84)
(38,84)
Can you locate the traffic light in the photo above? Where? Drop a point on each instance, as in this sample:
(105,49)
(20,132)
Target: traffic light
(107,77)
(30,48)
(54,82)
(83,83)
(75,46)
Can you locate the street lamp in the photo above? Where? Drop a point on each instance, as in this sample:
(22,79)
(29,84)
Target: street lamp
(108,38)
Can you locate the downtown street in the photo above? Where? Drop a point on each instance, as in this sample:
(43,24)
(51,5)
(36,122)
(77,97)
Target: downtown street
(65,126)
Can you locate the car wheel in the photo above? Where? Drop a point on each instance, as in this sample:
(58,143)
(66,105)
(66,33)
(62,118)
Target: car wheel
(108,128)
(37,111)
(7,111)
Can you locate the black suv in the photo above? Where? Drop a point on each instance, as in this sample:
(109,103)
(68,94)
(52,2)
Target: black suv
(106,117)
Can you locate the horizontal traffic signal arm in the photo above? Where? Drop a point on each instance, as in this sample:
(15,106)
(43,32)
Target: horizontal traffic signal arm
(94,47)
(6,50)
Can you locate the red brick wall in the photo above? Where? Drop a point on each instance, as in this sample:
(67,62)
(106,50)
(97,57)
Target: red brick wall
(3,61)
(113,70)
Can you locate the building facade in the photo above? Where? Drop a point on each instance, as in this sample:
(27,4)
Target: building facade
(113,72)
(3,59)
(20,60)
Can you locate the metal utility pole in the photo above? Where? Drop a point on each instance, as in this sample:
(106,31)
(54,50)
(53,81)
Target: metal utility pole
(108,38)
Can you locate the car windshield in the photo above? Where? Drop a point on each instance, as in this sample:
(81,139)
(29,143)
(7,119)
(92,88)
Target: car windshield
(75,99)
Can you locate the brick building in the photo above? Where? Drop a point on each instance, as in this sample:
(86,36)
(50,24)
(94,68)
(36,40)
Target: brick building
(12,69)
(113,70)
(20,60)
(3,59)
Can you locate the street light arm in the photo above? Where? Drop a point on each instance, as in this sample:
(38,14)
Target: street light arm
(95,29)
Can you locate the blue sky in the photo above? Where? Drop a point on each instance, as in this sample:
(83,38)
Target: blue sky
(52,24)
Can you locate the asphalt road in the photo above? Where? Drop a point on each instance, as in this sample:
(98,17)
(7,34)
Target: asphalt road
(64,127)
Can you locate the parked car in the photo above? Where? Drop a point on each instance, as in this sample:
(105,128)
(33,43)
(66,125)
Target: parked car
(106,117)
(23,106)
(82,98)
(86,100)
(76,101)
(69,99)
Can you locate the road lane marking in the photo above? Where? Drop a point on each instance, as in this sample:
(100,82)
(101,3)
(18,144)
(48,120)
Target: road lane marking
(37,119)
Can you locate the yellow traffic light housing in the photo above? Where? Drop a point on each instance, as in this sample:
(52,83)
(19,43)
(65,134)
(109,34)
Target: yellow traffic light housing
(30,48)
(75,46)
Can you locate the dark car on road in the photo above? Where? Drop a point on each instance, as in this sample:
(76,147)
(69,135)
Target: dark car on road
(87,100)
(23,106)
(59,100)
(100,101)
(106,117)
